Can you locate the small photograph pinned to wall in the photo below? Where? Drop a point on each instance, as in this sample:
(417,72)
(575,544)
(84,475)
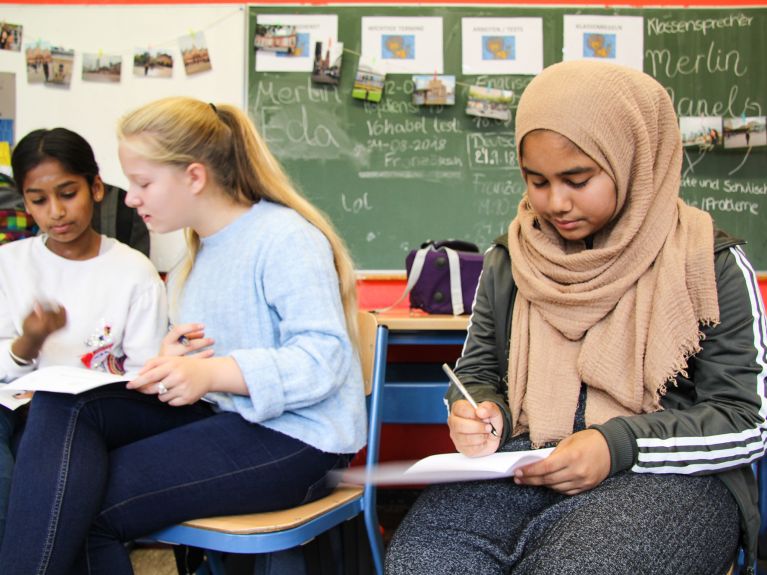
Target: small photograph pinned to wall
(745,132)
(102,68)
(151,63)
(10,37)
(327,62)
(194,53)
(489,103)
(369,81)
(275,38)
(433,90)
(703,132)
(61,67)
(38,57)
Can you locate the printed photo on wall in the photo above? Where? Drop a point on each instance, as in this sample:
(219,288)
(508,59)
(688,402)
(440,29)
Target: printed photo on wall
(703,132)
(194,53)
(275,38)
(616,39)
(404,45)
(308,29)
(102,67)
(60,67)
(62,64)
(369,81)
(745,132)
(10,37)
(38,57)
(7,118)
(502,45)
(327,62)
(489,103)
(434,90)
(152,63)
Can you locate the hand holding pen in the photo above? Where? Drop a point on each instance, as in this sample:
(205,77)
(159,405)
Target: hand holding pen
(474,428)
(185,339)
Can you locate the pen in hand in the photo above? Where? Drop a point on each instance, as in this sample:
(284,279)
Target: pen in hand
(457,382)
(182,339)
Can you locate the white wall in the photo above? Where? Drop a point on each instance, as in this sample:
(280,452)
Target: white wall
(92,108)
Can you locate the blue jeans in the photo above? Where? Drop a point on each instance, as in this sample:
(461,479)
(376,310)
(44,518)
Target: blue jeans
(111,465)
(8,423)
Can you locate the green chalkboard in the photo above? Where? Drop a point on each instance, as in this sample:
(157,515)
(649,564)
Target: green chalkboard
(391,175)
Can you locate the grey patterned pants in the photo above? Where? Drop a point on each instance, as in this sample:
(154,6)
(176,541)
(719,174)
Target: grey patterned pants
(630,524)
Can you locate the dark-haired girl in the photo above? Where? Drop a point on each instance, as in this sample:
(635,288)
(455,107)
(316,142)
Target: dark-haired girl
(69,296)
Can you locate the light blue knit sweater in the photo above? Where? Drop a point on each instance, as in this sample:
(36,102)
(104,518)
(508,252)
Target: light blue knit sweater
(267,291)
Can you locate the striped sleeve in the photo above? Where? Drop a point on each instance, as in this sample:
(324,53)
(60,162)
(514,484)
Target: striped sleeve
(714,419)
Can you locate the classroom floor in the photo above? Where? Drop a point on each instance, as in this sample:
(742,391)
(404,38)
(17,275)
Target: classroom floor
(153,561)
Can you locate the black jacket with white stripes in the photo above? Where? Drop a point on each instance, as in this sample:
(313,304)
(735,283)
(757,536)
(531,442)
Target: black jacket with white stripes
(713,419)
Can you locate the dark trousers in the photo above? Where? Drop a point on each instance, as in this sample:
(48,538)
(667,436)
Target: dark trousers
(8,424)
(111,465)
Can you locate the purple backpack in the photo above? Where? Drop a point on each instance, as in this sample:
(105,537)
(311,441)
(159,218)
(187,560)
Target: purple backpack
(443,276)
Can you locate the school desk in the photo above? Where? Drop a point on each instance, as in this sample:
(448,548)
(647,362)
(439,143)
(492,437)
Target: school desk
(414,388)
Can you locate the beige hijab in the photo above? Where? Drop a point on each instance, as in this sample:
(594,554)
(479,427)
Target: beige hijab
(624,316)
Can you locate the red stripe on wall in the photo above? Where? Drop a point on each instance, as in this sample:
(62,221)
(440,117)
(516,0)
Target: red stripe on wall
(623,3)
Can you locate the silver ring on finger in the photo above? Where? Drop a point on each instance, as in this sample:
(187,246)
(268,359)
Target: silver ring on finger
(161,389)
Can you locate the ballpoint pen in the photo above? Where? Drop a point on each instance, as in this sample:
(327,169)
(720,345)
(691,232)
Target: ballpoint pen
(457,382)
(182,339)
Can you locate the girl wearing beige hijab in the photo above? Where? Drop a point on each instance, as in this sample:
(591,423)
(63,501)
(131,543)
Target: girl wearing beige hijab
(615,323)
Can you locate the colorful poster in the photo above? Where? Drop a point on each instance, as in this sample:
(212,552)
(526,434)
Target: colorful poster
(615,39)
(309,29)
(403,45)
(502,45)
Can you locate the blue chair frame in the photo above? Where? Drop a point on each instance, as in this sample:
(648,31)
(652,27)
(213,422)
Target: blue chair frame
(373,346)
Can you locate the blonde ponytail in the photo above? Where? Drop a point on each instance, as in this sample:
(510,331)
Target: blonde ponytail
(181,131)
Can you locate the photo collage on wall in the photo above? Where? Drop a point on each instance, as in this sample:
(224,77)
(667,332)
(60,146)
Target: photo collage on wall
(55,65)
(414,46)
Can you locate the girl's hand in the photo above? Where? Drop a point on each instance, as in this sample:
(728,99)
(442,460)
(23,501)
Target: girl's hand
(185,339)
(580,462)
(470,429)
(175,380)
(41,322)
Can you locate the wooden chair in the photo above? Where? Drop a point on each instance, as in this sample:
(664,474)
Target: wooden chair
(279,530)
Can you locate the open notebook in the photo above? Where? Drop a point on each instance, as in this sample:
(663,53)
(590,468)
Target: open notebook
(61,379)
(445,468)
